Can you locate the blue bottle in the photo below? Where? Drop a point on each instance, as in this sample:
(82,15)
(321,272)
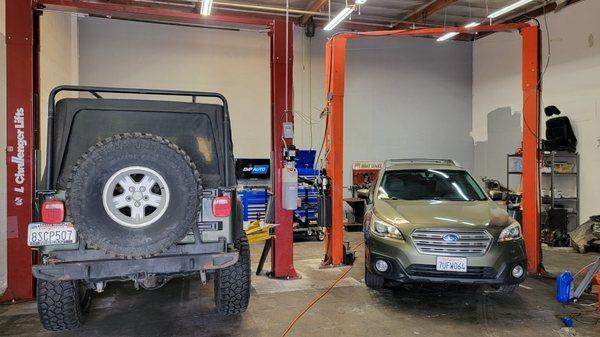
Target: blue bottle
(563,287)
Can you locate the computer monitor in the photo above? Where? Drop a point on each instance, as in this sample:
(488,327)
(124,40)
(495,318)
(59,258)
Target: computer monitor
(253,168)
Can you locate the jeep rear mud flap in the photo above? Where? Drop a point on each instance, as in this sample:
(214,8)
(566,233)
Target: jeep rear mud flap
(114,269)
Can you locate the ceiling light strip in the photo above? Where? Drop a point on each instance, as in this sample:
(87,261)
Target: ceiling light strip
(206,7)
(508,8)
(344,13)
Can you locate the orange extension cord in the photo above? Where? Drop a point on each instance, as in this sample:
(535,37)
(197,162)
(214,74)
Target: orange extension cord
(583,269)
(318,298)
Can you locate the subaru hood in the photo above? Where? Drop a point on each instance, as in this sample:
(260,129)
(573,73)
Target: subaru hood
(442,214)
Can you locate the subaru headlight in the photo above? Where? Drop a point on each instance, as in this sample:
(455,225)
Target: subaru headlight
(380,228)
(512,232)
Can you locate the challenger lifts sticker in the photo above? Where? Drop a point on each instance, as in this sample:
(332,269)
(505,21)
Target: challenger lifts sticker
(19,158)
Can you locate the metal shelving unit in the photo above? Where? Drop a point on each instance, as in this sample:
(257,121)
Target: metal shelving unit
(562,187)
(514,166)
(557,189)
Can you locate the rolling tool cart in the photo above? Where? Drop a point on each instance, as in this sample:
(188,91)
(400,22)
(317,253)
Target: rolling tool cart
(306,219)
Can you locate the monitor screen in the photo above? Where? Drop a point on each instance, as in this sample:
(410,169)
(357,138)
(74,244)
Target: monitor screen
(253,168)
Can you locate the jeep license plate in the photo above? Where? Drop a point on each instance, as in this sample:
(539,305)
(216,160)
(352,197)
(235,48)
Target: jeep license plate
(455,264)
(42,234)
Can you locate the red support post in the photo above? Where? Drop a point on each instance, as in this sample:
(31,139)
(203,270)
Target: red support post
(530,37)
(21,72)
(282,254)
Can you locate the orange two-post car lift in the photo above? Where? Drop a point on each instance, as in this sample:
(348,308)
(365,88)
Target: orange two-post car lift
(335,56)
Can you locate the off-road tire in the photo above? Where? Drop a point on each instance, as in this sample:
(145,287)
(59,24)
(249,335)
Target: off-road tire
(232,284)
(61,304)
(84,195)
(372,280)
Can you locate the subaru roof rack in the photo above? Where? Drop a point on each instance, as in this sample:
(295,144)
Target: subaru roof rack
(391,162)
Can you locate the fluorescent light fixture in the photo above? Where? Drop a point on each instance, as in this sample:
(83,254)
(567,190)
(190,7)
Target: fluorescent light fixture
(453,34)
(206,7)
(339,18)
(360,2)
(447,36)
(508,8)
(472,24)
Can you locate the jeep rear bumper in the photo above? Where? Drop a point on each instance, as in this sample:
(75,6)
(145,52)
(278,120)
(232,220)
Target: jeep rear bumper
(119,269)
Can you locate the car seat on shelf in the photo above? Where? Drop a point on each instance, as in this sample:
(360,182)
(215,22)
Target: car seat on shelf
(559,133)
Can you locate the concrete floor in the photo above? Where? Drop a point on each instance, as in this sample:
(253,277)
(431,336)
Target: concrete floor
(185,307)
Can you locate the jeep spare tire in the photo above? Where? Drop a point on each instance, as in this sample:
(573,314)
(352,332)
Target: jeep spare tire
(133,195)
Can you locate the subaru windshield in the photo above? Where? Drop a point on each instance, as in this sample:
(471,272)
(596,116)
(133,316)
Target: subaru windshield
(430,185)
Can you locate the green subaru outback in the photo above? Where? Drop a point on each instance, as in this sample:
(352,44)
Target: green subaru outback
(429,221)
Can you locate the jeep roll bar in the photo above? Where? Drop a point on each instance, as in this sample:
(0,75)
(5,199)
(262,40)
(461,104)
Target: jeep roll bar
(95,92)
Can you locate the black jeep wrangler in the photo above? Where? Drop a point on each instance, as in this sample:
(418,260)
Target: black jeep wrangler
(137,190)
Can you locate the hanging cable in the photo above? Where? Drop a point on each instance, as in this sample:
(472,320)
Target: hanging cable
(287,56)
(310,90)
(287,50)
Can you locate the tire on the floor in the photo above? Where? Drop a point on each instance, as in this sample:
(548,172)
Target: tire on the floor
(232,284)
(372,280)
(62,305)
(155,180)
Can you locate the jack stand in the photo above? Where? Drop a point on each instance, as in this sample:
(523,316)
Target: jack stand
(263,256)
(349,256)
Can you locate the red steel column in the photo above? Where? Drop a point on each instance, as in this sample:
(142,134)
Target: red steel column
(531,119)
(282,254)
(21,57)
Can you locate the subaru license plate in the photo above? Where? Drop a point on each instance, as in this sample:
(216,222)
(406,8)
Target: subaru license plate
(448,263)
(42,234)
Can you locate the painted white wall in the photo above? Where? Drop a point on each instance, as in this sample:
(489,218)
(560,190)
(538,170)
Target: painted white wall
(408,98)
(58,63)
(236,64)
(405,97)
(389,110)
(309,78)
(571,82)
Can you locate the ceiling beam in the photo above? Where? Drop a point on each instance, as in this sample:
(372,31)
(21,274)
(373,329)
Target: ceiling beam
(541,10)
(423,13)
(535,12)
(313,6)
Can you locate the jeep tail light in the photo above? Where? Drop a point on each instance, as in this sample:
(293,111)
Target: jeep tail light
(221,206)
(53,211)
